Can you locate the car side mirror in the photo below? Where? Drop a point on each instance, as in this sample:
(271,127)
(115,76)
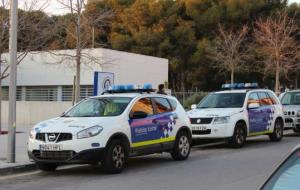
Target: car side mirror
(253,105)
(138,115)
(194,106)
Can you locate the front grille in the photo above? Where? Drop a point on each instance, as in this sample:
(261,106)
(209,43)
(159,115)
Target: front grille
(298,126)
(64,137)
(40,137)
(59,137)
(289,113)
(206,132)
(53,155)
(288,120)
(202,120)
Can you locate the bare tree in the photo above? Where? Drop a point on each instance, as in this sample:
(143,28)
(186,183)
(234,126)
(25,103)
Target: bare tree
(34,31)
(276,41)
(83,26)
(230,51)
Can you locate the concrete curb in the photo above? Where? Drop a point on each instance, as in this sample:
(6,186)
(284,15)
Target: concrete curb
(18,168)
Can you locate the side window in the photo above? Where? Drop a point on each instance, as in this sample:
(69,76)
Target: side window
(162,105)
(143,105)
(253,98)
(273,98)
(173,104)
(264,99)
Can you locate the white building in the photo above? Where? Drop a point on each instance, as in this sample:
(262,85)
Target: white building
(44,84)
(42,76)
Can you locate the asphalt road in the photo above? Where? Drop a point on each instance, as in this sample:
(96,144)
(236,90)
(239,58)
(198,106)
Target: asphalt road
(208,168)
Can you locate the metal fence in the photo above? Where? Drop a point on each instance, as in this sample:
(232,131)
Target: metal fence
(189,98)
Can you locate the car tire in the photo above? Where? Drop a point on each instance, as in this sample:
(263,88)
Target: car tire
(182,146)
(238,139)
(47,167)
(115,157)
(277,133)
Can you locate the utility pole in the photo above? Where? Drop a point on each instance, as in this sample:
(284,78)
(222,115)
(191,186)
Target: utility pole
(11,144)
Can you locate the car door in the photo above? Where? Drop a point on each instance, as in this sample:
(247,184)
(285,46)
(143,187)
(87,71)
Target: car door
(255,116)
(165,119)
(156,126)
(267,111)
(142,123)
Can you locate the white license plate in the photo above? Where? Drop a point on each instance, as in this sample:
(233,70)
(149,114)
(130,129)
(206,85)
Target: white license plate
(199,128)
(288,124)
(51,147)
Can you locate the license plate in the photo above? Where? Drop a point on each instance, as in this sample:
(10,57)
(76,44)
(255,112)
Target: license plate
(51,147)
(288,124)
(199,128)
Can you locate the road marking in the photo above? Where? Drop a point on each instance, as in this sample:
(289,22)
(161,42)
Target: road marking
(19,175)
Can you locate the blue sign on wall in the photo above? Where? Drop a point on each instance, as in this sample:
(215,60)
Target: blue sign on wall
(103,81)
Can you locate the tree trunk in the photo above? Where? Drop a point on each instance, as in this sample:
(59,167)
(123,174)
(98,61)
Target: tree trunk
(78,56)
(277,90)
(232,75)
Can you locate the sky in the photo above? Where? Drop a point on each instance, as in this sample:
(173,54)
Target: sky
(55,8)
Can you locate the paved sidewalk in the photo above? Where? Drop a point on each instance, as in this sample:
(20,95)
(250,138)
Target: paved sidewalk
(22,161)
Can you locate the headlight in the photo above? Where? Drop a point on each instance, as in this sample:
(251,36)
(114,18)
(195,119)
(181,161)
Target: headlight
(221,120)
(32,133)
(90,132)
(298,113)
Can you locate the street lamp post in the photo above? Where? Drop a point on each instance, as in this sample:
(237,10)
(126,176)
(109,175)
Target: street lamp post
(11,144)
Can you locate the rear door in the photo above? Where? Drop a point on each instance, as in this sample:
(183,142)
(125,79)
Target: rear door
(267,111)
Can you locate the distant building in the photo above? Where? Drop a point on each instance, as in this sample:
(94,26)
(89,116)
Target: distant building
(41,76)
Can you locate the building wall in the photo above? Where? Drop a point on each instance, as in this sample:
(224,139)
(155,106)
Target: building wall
(30,113)
(46,69)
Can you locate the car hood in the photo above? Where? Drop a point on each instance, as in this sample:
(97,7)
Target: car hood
(214,112)
(291,107)
(70,124)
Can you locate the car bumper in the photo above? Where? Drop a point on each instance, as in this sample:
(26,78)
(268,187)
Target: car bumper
(67,156)
(219,131)
(292,123)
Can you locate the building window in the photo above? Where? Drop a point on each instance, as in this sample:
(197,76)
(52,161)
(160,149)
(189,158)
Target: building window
(85,91)
(37,93)
(5,92)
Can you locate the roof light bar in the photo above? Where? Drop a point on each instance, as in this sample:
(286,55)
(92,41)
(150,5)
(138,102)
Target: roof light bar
(240,86)
(130,88)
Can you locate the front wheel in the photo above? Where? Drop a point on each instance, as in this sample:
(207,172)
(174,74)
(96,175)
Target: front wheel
(182,148)
(238,139)
(115,157)
(277,132)
(47,167)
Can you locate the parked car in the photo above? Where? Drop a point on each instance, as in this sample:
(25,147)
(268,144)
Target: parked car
(291,108)
(122,123)
(236,113)
(286,176)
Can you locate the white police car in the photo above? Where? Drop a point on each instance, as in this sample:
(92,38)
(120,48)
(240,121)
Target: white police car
(237,113)
(291,108)
(110,128)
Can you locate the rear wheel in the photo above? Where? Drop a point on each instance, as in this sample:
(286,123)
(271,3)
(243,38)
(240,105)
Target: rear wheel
(277,132)
(47,167)
(238,139)
(115,157)
(182,148)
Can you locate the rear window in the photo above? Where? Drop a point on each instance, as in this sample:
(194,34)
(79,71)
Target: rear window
(162,105)
(173,104)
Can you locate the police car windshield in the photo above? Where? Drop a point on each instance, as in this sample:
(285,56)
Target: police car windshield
(291,98)
(99,107)
(223,100)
